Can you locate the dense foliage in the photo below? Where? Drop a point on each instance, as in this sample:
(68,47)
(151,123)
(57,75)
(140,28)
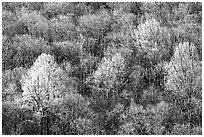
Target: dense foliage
(101,68)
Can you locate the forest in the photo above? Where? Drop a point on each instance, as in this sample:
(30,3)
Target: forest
(101,68)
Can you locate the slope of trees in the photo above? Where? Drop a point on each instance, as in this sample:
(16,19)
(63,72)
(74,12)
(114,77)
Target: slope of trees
(101,68)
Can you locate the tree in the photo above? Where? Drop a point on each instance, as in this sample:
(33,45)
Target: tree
(49,92)
(184,71)
(110,71)
(184,86)
(105,84)
(153,40)
(42,84)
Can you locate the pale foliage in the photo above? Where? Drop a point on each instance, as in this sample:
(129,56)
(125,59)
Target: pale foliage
(110,70)
(148,36)
(185,71)
(41,84)
(184,52)
(147,31)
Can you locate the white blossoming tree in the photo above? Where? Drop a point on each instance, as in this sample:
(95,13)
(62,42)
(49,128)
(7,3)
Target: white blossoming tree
(152,39)
(106,82)
(185,71)
(109,71)
(42,84)
(184,85)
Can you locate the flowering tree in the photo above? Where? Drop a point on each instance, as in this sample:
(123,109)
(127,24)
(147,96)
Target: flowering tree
(185,71)
(184,86)
(105,84)
(42,84)
(109,71)
(150,37)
